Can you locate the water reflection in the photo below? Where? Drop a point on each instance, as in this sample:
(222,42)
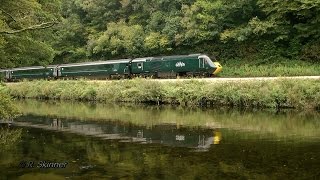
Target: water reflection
(57,124)
(90,157)
(285,124)
(165,134)
(130,142)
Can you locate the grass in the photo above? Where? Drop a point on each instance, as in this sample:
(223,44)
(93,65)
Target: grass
(301,94)
(237,68)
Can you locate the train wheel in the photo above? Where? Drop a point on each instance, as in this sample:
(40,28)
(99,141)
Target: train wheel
(154,76)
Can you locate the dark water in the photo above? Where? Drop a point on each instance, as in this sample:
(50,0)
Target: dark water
(96,141)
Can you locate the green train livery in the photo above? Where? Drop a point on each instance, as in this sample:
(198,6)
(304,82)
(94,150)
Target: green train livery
(198,65)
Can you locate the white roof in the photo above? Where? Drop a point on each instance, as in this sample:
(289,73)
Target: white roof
(95,63)
(141,59)
(32,67)
(161,57)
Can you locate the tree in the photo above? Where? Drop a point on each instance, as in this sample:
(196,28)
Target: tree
(119,39)
(156,43)
(289,24)
(22,27)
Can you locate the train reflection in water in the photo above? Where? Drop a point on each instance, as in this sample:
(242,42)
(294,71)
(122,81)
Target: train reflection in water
(167,134)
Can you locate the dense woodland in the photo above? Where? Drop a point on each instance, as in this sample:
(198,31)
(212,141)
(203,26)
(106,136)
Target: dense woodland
(42,32)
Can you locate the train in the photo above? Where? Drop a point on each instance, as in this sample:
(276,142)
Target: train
(193,65)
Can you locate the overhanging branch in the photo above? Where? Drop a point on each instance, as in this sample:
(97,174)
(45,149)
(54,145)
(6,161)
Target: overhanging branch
(34,27)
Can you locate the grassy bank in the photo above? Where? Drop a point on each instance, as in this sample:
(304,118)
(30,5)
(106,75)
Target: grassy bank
(304,94)
(241,68)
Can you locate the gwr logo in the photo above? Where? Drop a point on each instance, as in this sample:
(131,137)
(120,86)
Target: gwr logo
(180,64)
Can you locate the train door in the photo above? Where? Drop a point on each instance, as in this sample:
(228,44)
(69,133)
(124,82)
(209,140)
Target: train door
(8,74)
(130,68)
(202,62)
(59,71)
(126,69)
(140,66)
(56,72)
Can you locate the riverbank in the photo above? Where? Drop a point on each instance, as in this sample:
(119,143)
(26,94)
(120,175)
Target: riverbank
(288,93)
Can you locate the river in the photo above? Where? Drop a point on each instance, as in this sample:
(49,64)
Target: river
(72,140)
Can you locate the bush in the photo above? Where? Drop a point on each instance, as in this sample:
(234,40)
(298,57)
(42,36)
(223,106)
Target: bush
(7,109)
(240,68)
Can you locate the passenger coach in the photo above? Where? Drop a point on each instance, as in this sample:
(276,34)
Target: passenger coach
(95,69)
(33,72)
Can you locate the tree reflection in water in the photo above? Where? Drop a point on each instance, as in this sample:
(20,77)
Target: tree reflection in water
(163,143)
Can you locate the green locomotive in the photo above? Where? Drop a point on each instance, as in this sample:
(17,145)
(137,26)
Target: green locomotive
(172,66)
(157,67)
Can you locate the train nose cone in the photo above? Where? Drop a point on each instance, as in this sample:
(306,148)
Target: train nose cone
(218,69)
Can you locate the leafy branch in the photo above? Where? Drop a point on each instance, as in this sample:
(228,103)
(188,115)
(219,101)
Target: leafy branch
(33,27)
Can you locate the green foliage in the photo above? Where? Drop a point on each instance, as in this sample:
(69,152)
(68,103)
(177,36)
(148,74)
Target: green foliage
(311,51)
(120,39)
(275,94)
(268,68)
(7,109)
(255,30)
(25,51)
(155,42)
(70,40)
(290,24)
(24,32)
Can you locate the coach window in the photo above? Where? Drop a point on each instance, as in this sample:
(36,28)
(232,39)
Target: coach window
(139,65)
(208,61)
(116,67)
(205,60)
